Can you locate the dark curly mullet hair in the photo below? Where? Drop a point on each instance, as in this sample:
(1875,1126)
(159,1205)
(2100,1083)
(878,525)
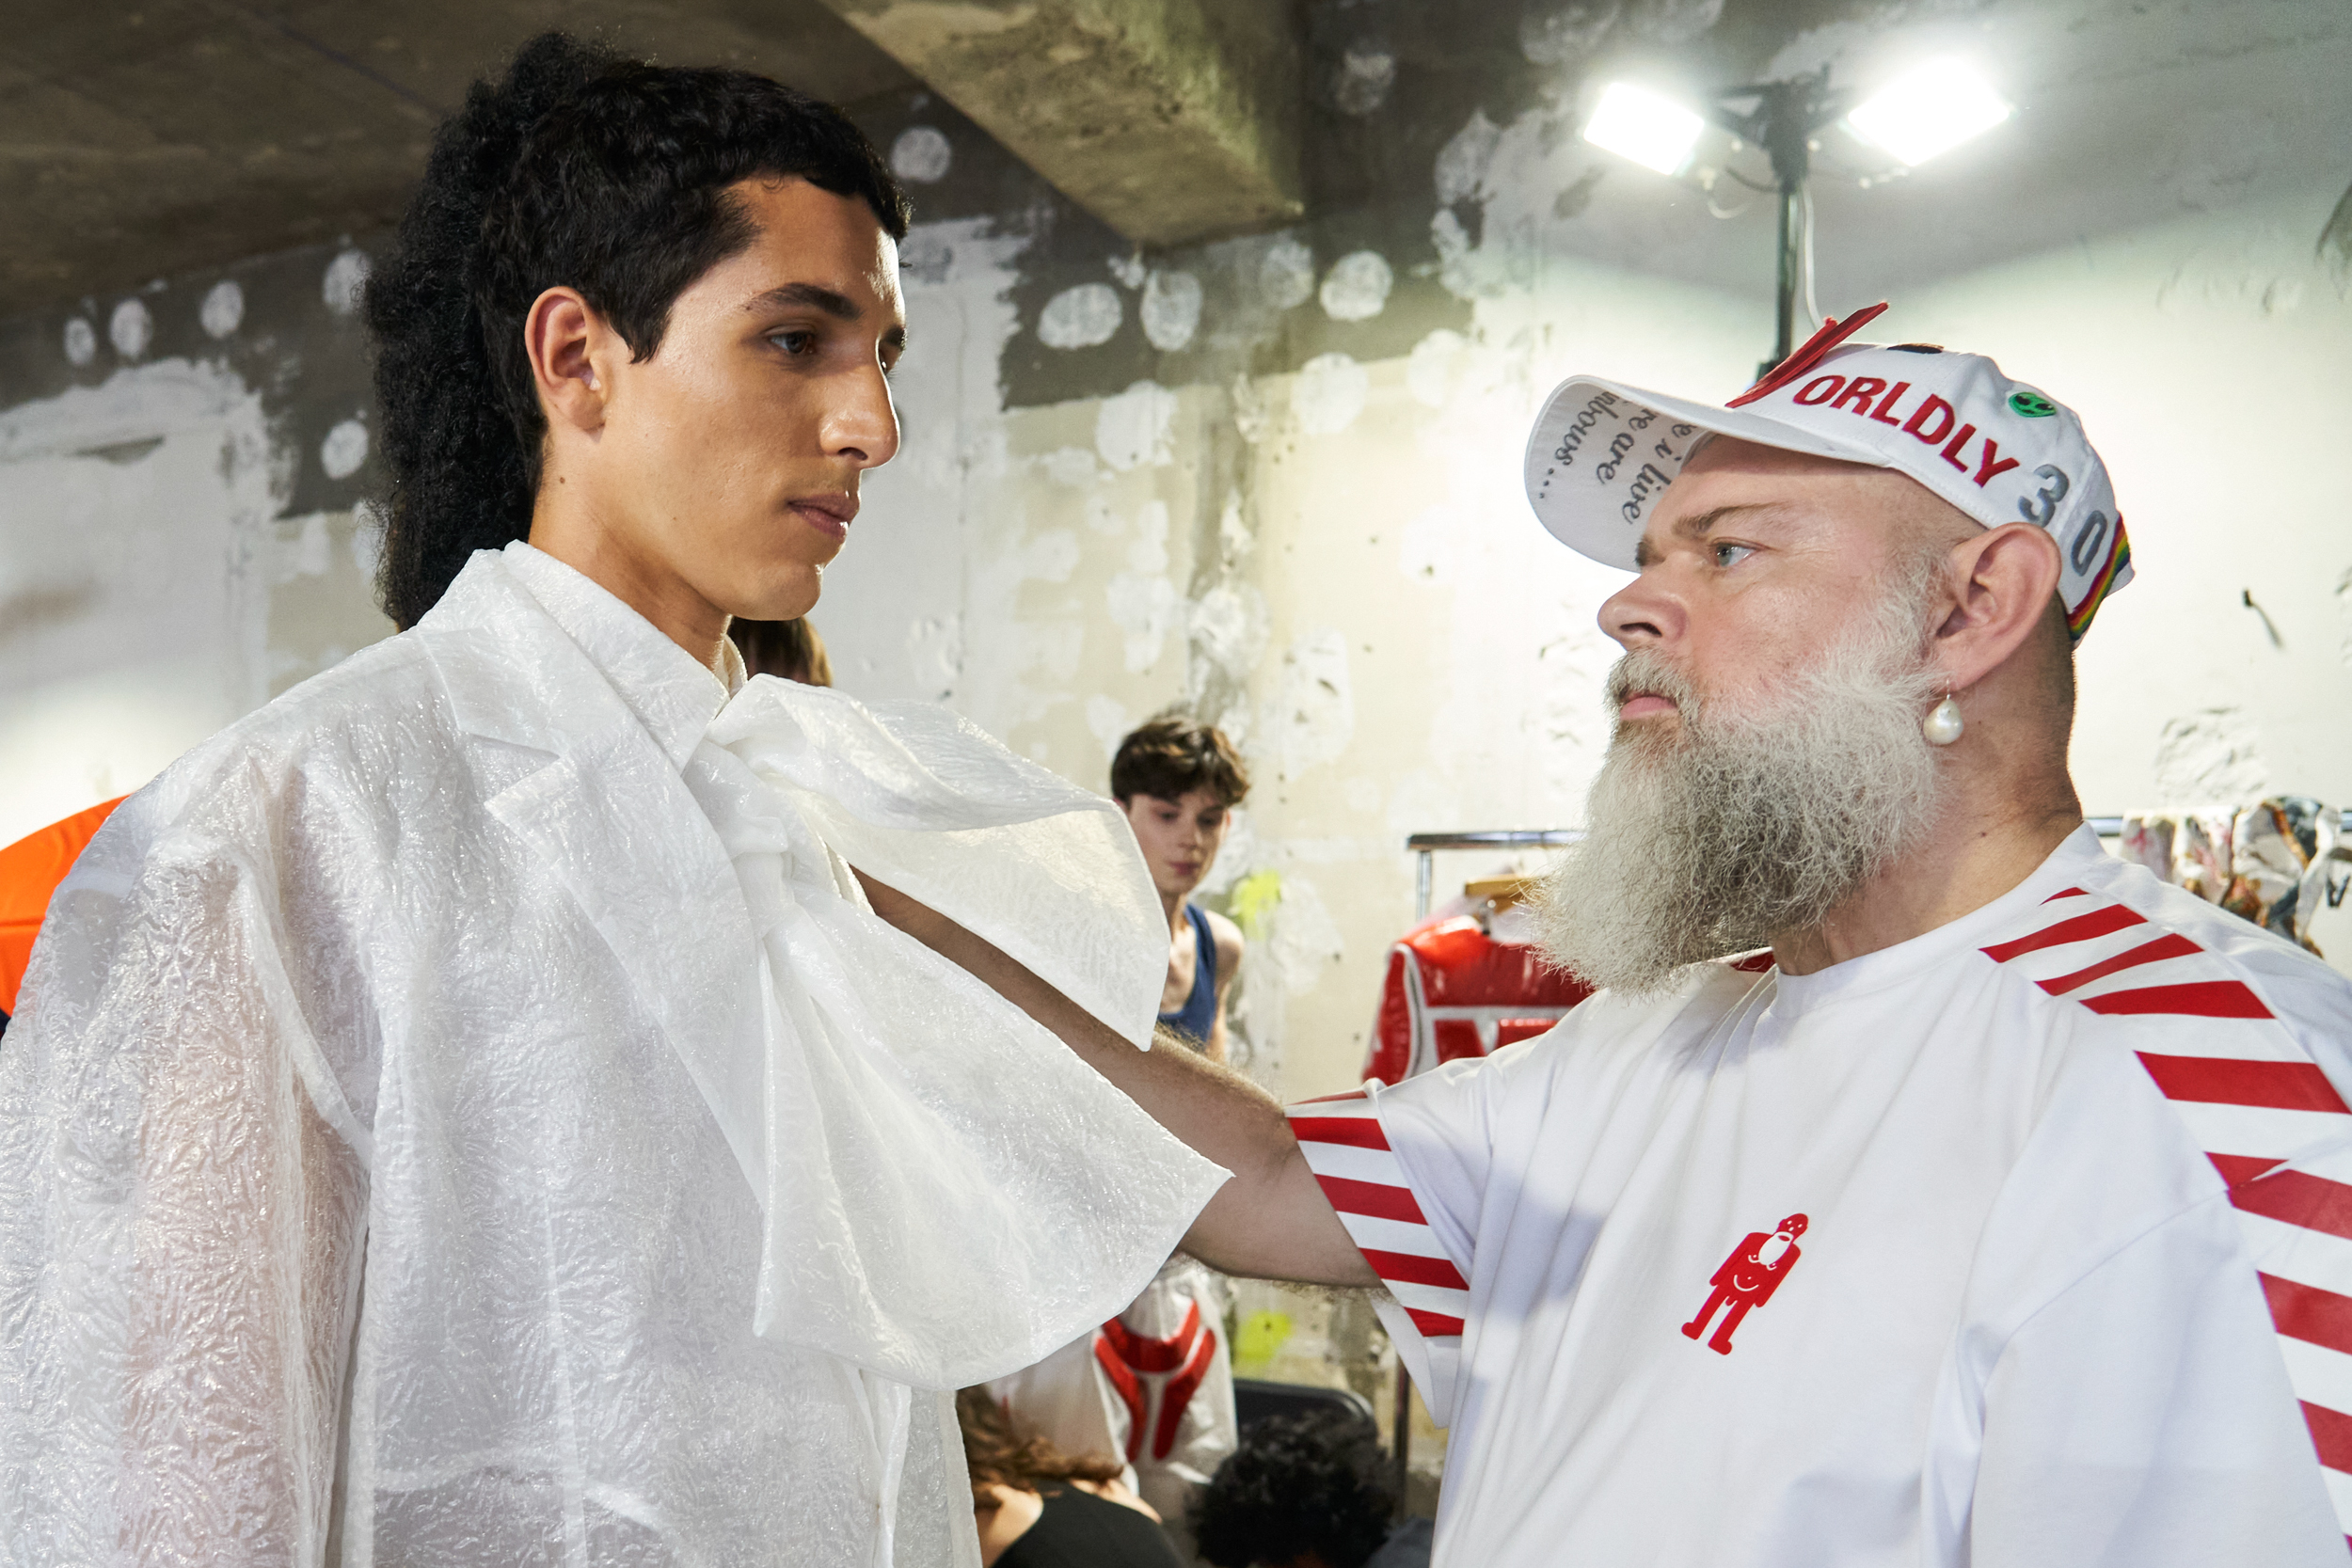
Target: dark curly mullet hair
(580,168)
(1315,1482)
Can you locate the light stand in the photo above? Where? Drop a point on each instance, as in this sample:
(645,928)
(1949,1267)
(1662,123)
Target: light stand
(1782,119)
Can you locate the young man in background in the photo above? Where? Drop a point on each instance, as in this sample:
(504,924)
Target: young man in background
(1178,782)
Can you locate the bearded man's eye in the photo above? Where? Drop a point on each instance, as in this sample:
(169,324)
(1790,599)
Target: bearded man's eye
(1731,555)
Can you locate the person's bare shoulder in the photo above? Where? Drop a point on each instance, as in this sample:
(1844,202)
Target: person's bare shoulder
(1228,941)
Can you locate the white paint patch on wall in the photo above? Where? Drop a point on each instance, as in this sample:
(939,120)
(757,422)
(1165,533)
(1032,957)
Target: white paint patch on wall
(1311,714)
(922,155)
(1080,317)
(2213,757)
(1142,600)
(1358,286)
(1366,73)
(1429,373)
(1460,173)
(1131,431)
(1286,273)
(1329,393)
(131,329)
(223,310)
(1171,309)
(345,277)
(345,448)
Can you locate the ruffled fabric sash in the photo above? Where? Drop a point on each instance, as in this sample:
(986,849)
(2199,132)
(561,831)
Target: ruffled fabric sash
(950,1193)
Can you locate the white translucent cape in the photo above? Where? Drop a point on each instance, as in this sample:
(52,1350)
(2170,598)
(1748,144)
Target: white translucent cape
(466,1112)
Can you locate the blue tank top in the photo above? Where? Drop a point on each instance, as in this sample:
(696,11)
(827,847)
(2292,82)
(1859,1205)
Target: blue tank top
(1197,1016)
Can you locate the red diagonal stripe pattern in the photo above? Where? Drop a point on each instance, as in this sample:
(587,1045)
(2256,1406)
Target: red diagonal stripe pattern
(1329,1099)
(1352,1140)
(2235,1168)
(2299,1197)
(1435,1325)
(2228,1081)
(1355,1132)
(1406,1268)
(2082,928)
(2308,1313)
(2194,999)
(1377,1198)
(2171,945)
(2331,1435)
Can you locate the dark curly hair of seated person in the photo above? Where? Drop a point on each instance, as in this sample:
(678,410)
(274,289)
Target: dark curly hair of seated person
(1297,1485)
(581,169)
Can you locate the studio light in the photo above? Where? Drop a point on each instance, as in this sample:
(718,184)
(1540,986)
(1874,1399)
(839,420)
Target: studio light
(1633,122)
(1931,109)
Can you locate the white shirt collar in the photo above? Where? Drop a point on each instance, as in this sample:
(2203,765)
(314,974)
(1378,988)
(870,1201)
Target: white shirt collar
(672,695)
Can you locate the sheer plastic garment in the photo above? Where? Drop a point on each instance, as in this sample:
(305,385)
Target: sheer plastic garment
(466,1113)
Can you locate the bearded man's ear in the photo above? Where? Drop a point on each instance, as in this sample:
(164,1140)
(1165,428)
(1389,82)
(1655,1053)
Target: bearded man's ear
(2003,580)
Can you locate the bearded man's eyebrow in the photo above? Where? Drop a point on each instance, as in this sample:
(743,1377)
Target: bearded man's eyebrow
(1698,528)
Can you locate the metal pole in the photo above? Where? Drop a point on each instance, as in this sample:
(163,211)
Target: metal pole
(1404,1441)
(1785,338)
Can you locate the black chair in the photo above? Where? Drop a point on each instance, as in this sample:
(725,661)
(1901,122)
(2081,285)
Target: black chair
(1255,1398)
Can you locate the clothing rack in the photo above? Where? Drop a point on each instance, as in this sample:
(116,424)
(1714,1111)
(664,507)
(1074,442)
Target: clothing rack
(1425,845)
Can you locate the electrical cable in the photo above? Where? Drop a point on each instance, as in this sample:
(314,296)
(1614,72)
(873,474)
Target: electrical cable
(1812,307)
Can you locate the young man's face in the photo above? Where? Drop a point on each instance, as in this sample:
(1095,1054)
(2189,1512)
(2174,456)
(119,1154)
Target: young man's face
(729,461)
(1179,837)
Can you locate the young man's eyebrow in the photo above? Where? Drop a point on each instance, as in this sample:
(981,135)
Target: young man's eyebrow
(815,296)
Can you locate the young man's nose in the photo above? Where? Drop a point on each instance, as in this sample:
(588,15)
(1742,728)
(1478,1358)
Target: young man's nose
(864,425)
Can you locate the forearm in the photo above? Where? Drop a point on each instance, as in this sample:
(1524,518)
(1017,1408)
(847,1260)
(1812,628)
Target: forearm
(1271,1219)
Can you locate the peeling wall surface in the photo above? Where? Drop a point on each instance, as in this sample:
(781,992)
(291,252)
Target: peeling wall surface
(1274,478)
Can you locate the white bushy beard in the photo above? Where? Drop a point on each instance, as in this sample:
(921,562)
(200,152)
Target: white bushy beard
(1719,834)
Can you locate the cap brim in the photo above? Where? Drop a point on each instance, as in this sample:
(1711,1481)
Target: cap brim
(1596,464)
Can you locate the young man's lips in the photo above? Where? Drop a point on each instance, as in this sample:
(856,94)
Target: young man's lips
(826,513)
(1645,704)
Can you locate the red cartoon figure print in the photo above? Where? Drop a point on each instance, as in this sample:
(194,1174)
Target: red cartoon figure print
(1747,1279)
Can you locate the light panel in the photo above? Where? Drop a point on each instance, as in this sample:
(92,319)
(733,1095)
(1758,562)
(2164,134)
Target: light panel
(1929,111)
(1633,122)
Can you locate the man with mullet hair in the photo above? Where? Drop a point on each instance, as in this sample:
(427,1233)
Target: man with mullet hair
(1926,1186)
(467,1114)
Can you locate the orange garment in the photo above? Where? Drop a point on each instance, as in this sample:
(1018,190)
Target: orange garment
(30,870)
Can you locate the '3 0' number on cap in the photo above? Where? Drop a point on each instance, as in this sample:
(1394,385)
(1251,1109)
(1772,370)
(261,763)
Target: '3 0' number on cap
(2049,496)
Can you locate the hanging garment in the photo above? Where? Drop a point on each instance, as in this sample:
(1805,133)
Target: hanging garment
(467,1114)
(1455,991)
(1153,1387)
(2269,864)
(30,870)
(2017,1244)
(1197,1016)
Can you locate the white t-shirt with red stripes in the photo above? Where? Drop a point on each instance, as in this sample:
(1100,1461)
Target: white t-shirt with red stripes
(2027,1242)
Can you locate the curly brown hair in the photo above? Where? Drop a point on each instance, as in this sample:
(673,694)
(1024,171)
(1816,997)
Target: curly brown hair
(1173,754)
(1000,1453)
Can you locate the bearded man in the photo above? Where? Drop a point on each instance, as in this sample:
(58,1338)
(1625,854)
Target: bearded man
(1998,1213)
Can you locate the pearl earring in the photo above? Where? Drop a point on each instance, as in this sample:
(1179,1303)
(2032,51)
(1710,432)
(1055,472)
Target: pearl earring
(1943,725)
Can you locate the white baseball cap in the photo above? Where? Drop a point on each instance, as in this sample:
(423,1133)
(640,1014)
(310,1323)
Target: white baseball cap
(1602,452)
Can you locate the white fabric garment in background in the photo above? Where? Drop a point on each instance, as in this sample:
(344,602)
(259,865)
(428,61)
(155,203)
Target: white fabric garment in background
(487,997)
(1068,1397)
(2026,1326)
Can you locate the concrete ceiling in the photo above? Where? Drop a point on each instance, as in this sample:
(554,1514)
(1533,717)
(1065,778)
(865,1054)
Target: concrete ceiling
(142,142)
(145,139)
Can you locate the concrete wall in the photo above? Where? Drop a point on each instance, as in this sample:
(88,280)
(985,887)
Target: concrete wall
(1273,479)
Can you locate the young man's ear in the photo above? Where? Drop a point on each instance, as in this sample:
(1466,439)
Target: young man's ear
(568,344)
